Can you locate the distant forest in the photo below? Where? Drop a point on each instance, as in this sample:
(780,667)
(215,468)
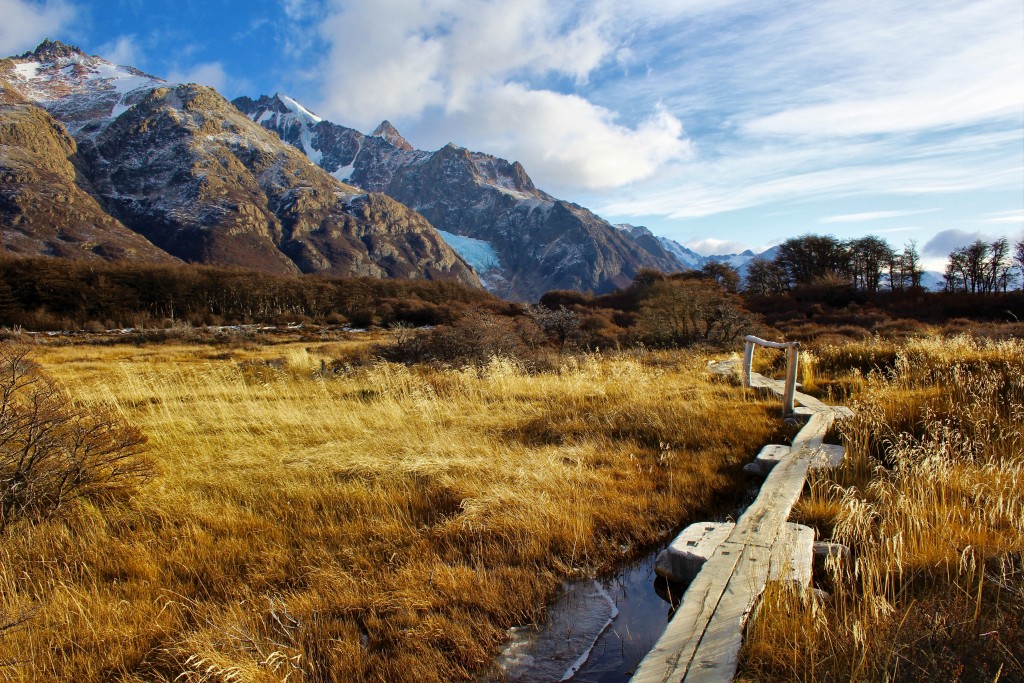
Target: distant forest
(813,280)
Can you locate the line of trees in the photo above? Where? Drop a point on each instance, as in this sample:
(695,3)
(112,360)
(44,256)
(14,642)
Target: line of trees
(867,264)
(59,294)
(984,267)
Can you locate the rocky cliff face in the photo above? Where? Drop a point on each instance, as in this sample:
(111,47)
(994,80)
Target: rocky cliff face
(181,167)
(44,209)
(541,242)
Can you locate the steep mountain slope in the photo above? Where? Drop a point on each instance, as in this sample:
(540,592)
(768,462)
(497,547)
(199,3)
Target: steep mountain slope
(43,209)
(541,242)
(182,167)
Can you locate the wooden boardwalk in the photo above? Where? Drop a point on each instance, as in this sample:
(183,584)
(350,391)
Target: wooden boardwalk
(702,641)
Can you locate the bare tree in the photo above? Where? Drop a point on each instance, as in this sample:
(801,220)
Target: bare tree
(980,267)
(999,266)
(868,257)
(765,278)
(1018,256)
(910,266)
(813,257)
(727,277)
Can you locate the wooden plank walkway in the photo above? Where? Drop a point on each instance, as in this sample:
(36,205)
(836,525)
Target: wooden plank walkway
(702,641)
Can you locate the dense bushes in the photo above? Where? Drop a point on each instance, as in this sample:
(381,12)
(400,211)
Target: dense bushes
(52,452)
(61,294)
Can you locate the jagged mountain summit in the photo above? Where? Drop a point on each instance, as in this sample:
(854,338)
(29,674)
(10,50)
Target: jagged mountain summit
(77,89)
(535,241)
(180,167)
(387,131)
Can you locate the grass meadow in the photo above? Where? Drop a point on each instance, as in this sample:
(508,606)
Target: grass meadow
(314,516)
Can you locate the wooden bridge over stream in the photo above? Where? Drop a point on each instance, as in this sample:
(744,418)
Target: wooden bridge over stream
(703,639)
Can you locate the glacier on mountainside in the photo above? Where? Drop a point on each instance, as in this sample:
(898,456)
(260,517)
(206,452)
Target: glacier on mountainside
(477,253)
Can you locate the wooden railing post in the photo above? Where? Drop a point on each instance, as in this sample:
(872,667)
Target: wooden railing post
(748,362)
(792,361)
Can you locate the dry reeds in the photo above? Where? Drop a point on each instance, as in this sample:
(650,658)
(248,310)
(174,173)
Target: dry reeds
(315,519)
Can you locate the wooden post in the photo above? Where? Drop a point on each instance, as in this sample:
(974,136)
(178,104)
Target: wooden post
(748,362)
(792,361)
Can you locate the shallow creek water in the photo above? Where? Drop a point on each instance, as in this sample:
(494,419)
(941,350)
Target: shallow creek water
(598,630)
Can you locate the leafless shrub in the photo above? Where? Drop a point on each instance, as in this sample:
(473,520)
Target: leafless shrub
(53,452)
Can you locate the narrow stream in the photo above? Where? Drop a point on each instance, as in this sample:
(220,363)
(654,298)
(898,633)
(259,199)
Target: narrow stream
(598,630)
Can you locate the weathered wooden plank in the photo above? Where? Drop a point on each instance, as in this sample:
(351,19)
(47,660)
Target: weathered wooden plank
(670,657)
(813,433)
(717,654)
(793,555)
(761,523)
(703,640)
(779,387)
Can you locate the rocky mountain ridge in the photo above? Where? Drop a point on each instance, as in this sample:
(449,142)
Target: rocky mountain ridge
(179,169)
(540,242)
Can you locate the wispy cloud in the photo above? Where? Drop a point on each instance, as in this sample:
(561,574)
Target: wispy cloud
(872,216)
(506,78)
(123,50)
(684,109)
(1006,217)
(210,73)
(709,246)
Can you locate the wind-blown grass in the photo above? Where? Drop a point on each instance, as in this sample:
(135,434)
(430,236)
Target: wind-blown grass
(379,523)
(931,501)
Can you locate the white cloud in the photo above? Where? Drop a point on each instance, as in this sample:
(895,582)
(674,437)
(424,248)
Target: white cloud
(474,69)
(444,52)
(564,140)
(210,73)
(122,51)
(899,67)
(1016,216)
(710,246)
(786,103)
(25,23)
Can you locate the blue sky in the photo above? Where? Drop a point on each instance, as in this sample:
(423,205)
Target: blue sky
(723,124)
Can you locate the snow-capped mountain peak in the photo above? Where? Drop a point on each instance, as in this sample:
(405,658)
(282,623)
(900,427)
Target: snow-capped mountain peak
(78,88)
(297,109)
(53,50)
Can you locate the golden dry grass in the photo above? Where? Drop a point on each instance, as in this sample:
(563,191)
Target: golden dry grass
(383,523)
(931,500)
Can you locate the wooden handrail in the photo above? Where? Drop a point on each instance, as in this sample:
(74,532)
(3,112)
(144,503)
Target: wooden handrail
(792,350)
